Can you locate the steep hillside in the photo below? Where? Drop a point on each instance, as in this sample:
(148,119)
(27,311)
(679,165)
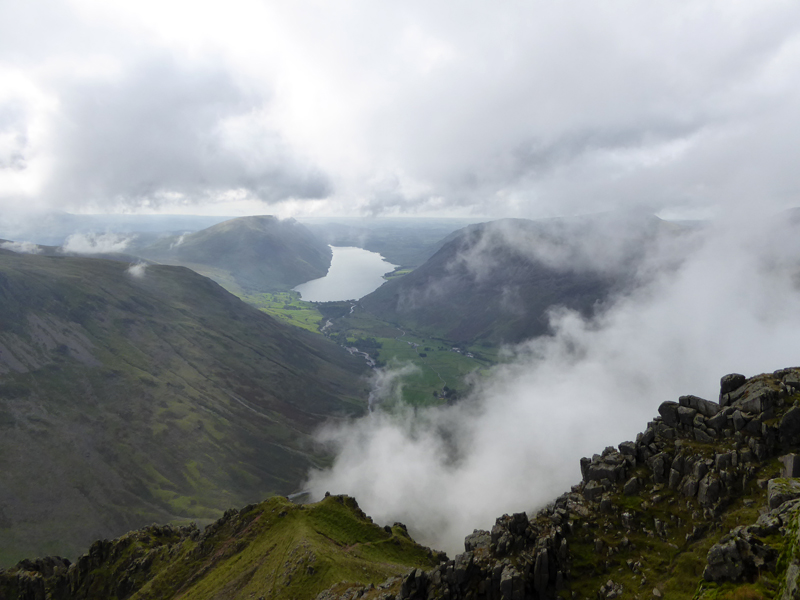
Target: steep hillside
(129,396)
(248,254)
(496,281)
(275,550)
(705,504)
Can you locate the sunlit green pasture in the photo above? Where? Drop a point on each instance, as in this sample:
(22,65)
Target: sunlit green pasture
(288,308)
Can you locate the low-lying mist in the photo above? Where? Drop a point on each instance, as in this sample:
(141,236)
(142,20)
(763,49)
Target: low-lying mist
(730,304)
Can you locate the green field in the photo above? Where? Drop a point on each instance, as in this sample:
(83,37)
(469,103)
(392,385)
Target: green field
(398,272)
(443,368)
(288,308)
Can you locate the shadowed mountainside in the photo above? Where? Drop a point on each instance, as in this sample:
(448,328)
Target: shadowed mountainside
(496,281)
(247,254)
(130,399)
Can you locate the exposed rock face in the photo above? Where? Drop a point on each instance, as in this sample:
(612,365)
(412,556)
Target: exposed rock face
(530,557)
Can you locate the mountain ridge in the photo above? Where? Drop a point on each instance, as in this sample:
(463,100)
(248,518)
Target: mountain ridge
(698,506)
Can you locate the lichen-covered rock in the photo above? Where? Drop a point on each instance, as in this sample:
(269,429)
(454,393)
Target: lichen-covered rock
(781,490)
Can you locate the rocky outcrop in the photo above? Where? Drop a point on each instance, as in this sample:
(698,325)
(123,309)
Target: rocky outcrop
(707,453)
(692,480)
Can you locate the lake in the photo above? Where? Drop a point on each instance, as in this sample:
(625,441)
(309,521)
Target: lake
(354,273)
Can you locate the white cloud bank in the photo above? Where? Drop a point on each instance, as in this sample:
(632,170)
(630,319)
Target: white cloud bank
(93,243)
(516,443)
(21,247)
(521,109)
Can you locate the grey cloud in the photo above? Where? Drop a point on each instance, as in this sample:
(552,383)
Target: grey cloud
(13,135)
(513,445)
(159,130)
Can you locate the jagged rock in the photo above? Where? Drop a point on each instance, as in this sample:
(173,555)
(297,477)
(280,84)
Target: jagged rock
(729,383)
(738,420)
(708,491)
(674,479)
(755,396)
(753,427)
(791,465)
(628,449)
(702,436)
(593,491)
(720,421)
(477,540)
(511,584)
(461,567)
(724,461)
(604,470)
(631,487)
(659,465)
(541,572)
(707,408)
(701,467)
(782,490)
(646,437)
(737,555)
(689,486)
(789,429)
(669,413)
(686,415)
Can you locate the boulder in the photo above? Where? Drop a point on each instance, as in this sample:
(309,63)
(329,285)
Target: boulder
(708,491)
(689,486)
(686,415)
(781,490)
(738,555)
(631,487)
(719,421)
(707,408)
(478,539)
(789,429)
(729,383)
(593,491)
(669,413)
(791,465)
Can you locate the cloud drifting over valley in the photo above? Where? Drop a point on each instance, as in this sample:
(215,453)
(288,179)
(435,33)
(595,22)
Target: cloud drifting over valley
(515,444)
(525,109)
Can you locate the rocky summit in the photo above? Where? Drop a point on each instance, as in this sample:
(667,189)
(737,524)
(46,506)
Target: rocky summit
(704,504)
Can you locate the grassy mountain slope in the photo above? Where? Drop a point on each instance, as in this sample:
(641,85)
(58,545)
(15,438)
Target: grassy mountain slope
(126,400)
(496,281)
(248,254)
(505,301)
(705,504)
(275,550)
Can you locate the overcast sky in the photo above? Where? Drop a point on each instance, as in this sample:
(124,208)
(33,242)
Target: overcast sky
(485,109)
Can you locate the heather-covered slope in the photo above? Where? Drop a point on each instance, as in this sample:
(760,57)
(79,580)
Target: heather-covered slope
(130,399)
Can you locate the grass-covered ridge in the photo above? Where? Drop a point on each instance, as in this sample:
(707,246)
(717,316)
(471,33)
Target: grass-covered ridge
(275,549)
